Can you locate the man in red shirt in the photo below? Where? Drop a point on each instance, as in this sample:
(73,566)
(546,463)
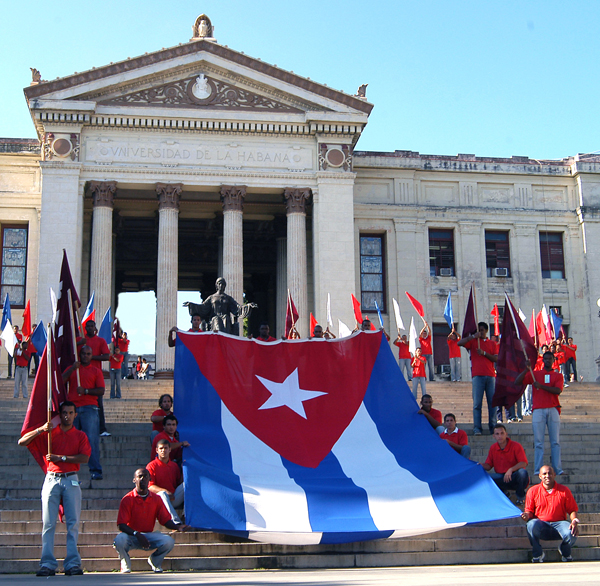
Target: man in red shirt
(138,512)
(426,349)
(123,344)
(196,327)
(571,354)
(454,353)
(483,354)
(116,361)
(166,479)
(22,356)
(457,438)
(264,333)
(547,386)
(170,434)
(165,402)
(509,461)
(433,416)
(70,448)
(86,384)
(547,507)
(100,354)
(11,358)
(404,356)
(418,374)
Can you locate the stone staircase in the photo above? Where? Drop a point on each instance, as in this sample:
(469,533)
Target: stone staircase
(129,448)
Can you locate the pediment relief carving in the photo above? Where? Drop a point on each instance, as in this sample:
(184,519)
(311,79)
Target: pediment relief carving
(201,91)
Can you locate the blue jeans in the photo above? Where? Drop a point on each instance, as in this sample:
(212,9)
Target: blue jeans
(549,531)
(416,381)
(87,420)
(481,385)
(163,544)
(115,383)
(406,367)
(540,419)
(465,452)
(53,490)
(455,369)
(429,358)
(125,366)
(519,482)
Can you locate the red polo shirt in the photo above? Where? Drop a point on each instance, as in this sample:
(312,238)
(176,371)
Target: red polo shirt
(91,378)
(159,426)
(541,399)
(437,415)
(501,460)
(458,436)
(141,513)
(453,348)
(176,454)
(403,352)
(68,443)
(116,361)
(480,365)
(550,507)
(99,347)
(418,365)
(425,345)
(164,475)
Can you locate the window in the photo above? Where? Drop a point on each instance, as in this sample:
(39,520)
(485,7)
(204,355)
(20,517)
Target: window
(551,249)
(497,254)
(441,253)
(14,264)
(372,273)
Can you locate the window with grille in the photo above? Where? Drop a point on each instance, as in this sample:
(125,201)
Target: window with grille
(551,249)
(14,264)
(441,253)
(372,272)
(497,254)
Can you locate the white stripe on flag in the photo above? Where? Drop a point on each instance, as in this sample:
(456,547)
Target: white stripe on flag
(401,500)
(280,506)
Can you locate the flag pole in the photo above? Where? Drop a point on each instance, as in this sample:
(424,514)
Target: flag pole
(49,385)
(74,338)
(512,315)
(475,309)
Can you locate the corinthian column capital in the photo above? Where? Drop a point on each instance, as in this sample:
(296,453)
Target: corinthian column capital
(295,200)
(168,195)
(232,197)
(103,193)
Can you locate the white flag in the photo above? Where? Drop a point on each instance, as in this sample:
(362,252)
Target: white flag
(412,341)
(54,303)
(522,315)
(344,330)
(399,323)
(9,338)
(329,320)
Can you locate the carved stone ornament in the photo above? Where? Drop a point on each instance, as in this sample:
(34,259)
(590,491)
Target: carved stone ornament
(60,146)
(103,193)
(335,156)
(168,195)
(295,200)
(203,28)
(232,197)
(201,91)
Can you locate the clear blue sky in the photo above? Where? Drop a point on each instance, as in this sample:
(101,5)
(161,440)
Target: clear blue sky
(488,78)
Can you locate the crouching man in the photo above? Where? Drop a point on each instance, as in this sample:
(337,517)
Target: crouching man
(547,507)
(138,512)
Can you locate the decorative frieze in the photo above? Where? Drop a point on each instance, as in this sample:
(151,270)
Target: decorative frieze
(60,146)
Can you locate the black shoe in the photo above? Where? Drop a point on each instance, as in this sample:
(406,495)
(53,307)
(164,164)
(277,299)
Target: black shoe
(96,476)
(43,572)
(77,571)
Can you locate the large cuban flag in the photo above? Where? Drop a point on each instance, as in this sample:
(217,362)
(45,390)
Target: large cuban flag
(316,441)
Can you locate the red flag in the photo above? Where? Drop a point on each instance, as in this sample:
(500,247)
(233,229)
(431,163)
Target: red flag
(63,330)
(496,313)
(291,317)
(511,357)
(357,313)
(313,323)
(470,323)
(418,307)
(37,410)
(26,329)
(117,332)
(542,333)
(531,328)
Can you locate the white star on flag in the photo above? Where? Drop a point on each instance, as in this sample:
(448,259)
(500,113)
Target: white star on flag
(287,394)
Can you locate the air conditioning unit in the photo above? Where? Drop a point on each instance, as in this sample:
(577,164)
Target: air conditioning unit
(500,272)
(446,272)
(444,369)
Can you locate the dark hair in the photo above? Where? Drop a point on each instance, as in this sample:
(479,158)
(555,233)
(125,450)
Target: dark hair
(499,426)
(264,324)
(548,352)
(196,314)
(67,404)
(162,442)
(170,417)
(162,397)
(450,415)
(428,396)
(484,325)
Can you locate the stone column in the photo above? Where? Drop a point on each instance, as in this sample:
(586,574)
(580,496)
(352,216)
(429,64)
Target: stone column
(296,254)
(233,241)
(281,288)
(101,265)
(167,273)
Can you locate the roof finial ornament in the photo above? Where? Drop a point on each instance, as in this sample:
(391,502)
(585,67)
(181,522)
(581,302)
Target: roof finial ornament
(203,29)
(362,91)
(36,76)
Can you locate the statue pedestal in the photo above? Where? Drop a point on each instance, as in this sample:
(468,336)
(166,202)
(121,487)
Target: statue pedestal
(163,375)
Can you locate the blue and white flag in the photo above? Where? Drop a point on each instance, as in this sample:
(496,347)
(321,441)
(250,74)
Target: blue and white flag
(556,323)
(6,313)
(105,330)
(316,441)
(39,338)
(448,315)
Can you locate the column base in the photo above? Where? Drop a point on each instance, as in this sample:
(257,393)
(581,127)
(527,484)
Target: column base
(163,375)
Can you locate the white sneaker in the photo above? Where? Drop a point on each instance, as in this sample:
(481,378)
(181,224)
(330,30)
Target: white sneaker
(155,569)
(125,567)
(105,434)
(540,559)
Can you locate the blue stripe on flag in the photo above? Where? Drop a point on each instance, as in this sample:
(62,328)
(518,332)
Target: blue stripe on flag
(213,493)
(333,537)
(334,502)
(462,490)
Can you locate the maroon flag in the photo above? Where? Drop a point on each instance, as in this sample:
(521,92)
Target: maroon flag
(39,405)
(516,345)
(64,332)
(418,307)
(291,317)
(470,323)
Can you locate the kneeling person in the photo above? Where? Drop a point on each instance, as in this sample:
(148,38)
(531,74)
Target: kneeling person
(138,512)
(456,438)
(509,461)
(165,479)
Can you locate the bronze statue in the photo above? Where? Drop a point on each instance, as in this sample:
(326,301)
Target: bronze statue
(220,312)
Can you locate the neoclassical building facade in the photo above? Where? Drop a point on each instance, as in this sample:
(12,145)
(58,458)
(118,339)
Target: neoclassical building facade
(167,170)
